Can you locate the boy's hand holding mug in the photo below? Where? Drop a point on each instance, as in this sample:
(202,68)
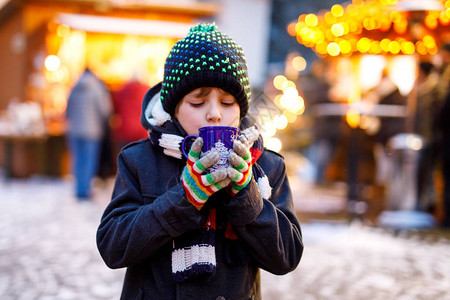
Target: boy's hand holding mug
(241,160)
(219,155)
(197,181)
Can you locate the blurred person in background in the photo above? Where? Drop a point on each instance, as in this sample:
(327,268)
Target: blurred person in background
(127,111)
(444,72)
(326,128)
(88,111)
(444,127)
(425,124)
(388,94)
(445,154)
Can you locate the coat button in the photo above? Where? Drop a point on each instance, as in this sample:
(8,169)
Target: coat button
(220,298)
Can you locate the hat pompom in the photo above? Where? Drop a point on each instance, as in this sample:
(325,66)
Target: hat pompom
(207,27)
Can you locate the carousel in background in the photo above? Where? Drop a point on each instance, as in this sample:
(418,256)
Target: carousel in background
(364,44)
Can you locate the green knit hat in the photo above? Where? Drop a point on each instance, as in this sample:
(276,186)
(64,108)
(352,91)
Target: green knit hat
(206,57)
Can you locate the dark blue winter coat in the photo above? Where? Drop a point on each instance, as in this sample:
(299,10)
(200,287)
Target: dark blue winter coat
(149,209)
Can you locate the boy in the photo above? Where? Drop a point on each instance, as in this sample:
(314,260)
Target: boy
(184,233)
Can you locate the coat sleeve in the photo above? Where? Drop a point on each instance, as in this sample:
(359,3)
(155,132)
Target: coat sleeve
(134,226)
(269,227)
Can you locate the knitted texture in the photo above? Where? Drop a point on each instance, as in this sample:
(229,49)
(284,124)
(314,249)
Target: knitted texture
(198,185)
(194,253)
(206,57)
(242,160)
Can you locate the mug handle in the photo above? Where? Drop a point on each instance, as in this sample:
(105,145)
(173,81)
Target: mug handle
(183,144)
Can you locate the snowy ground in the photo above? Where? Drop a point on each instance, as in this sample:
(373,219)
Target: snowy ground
(47,251)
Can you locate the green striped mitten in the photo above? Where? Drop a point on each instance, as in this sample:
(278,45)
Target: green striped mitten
(197,182)
(241,160)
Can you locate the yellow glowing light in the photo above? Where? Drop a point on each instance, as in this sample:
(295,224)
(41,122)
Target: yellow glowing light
(394,47)
(352,117)
(268,129)
(407,47)
(302,108)
(329,18)
(337,10)
(280,122)
(287,84)
(337,29)
(56,76)
(290,116)
(447,12)
(385,23)
(384,44)
(277,100)
(321,48)
(369,23)
(294,104)
(400,27)
(273,144)
(429,41)
(433,51)
(290,92)
(285,102)
(333,49)
(63,30)
(346,27)
(353,27)
(52,62)
(431,22)
(363,45)
(414,143)
(395,17)
(443,18)
(278,81)
(291,29)
(311,20)
(299,63)
(420,48)
(375,47)
(299,27)
(345,46)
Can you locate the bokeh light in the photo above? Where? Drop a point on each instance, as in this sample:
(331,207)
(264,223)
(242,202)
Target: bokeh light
(278,81)
(273,144)
(52,63)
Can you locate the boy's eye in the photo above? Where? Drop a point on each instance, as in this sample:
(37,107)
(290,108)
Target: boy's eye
(196,104)
(228,103)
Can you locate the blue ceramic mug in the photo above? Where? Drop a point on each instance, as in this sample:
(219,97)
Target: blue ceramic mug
(217,138)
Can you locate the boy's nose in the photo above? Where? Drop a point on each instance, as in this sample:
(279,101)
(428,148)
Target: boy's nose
(214,114)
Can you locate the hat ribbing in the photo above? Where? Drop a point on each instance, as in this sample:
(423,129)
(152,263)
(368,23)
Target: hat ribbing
(206,57)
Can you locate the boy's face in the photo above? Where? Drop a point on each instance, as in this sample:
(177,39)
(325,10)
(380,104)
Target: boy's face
(207,106)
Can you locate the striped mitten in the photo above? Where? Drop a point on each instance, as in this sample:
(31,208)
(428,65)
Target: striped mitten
(241,160)
(197,183)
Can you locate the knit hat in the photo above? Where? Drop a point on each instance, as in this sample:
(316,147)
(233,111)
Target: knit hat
(206,57)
